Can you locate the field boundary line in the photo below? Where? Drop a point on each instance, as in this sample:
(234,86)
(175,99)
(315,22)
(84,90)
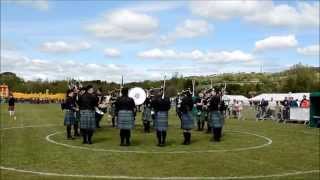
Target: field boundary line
(269,142)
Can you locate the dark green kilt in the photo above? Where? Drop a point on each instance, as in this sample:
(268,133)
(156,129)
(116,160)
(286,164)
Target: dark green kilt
(69,118)
(146,116)
(125,119)
(87,119)
(187,121)
(216,119)
(161,121)
(200,116)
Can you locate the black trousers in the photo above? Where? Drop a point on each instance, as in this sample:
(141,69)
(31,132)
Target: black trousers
(146,125)
(125,135)
(161,135)
(87,135)
(216,134)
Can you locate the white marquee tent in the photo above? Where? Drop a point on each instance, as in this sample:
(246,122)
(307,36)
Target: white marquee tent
(241,98)
(280,96)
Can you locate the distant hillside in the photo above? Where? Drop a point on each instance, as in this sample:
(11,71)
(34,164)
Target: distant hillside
(298,78)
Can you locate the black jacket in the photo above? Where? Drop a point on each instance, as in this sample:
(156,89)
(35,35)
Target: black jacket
(125,103)
(160,104)
(186,104)
(87,101)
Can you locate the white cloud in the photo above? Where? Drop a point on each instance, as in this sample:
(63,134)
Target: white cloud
(188,29)
(112,52)
(37,4)
(276,42)
(154,6)
(64,47)
(197,55)
(31,69)
(260,12)
(312,50)
(125,25)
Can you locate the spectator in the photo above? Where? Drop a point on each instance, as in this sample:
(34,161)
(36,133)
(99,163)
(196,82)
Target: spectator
(305,103)
(272,108)
(293,103)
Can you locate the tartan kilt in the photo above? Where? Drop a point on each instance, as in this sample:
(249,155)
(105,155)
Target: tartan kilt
(187,121)
(87,119)
(216,119)
(125,119)
(200,116)
(146,116)
(69,118)
(161,121)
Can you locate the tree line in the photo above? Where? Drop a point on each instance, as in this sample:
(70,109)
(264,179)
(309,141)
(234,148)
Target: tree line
(298,78)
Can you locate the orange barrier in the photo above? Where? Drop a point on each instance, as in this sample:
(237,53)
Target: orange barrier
(41,96)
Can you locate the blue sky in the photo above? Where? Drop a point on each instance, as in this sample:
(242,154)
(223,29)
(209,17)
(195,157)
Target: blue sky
(147,39)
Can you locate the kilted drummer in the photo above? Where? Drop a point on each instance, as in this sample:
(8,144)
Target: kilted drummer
(161,106)
(87,103)
(69,107)
(146,115)
(125,110)
(186,117)
(216,119)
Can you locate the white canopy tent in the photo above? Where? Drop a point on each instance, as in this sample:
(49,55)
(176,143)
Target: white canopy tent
(279,96)
(240,98)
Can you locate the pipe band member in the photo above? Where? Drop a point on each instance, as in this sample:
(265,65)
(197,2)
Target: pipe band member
(112,108)
(125,109)
(161,107)
(146,116)
(216,118)
(69,107)
(77,93)
(186,117)
(199,116)
(87,103)
(98,116)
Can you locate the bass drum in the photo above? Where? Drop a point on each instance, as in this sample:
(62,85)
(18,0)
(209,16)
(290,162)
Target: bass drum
(138,95)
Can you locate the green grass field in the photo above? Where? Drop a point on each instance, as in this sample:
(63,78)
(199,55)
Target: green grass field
(244,152)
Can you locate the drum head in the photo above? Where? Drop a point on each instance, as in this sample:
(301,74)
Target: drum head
(138,95)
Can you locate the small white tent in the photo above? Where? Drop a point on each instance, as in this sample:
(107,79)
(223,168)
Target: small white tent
(279,96)
(241,98)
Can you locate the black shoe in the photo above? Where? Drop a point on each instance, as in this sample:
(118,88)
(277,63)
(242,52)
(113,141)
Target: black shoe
(89,142)
(84,142)
(122,144)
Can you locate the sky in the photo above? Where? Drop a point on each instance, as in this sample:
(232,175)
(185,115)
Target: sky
(147,40)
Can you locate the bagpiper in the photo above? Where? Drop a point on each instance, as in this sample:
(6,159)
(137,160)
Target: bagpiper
(187,123)
(125,110)
(161,106)
(146,115)
(216,118)
(69,108)
(87,103)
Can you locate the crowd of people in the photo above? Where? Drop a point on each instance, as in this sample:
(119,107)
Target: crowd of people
(278,110)
(83,106)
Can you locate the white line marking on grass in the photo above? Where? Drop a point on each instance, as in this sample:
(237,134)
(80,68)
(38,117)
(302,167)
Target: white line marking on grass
(158,178)
(269,142)
(153,178)
(30,126)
